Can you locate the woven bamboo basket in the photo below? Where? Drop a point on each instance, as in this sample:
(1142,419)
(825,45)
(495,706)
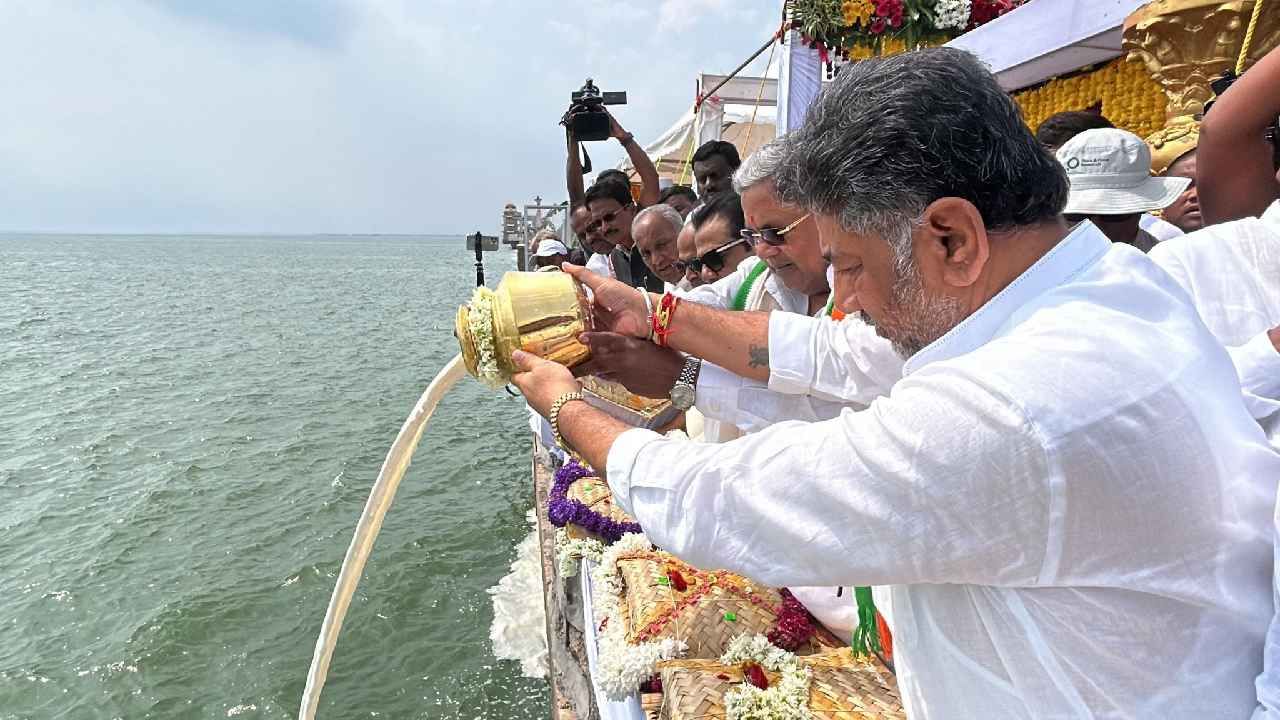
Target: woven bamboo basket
(713,609)
(843,687)
(651,704)
(594,493)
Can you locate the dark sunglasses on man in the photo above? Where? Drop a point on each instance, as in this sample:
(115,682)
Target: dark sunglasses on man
(609,216)
(713,259)
(772,236)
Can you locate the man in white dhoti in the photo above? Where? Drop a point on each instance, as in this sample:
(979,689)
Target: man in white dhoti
(1064,491)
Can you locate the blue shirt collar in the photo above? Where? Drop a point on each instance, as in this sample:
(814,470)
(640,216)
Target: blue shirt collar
(1082,247)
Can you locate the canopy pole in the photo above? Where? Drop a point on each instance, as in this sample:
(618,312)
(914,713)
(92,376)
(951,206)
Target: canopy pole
(702,96)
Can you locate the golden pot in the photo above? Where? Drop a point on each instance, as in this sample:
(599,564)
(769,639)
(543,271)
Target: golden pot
(539,312)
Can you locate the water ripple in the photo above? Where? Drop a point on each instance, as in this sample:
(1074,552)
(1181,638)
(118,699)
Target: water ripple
(188,430)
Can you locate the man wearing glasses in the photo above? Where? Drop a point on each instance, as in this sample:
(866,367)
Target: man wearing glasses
(612,207)
(588,231)
(687,252)
(717,227)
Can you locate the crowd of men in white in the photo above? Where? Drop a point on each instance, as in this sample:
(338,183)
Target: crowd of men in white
(925,350)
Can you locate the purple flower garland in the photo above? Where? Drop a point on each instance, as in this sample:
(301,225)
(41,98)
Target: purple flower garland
(562,511)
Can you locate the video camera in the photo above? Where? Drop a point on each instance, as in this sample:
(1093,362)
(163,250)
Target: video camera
(587,118)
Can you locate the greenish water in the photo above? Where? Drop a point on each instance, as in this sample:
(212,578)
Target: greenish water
(188,430)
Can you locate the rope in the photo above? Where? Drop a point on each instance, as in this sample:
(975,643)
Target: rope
(771,45)
(1248,36)
(764,76)
(693,141)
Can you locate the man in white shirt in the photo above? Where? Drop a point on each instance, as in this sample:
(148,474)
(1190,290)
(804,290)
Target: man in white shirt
(1064,490)
(1232,273)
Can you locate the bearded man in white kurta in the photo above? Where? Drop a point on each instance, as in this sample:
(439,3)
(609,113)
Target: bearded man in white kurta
(1065,491)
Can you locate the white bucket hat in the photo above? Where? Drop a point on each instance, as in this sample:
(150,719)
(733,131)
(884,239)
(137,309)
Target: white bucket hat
(547,248)
(1110,174)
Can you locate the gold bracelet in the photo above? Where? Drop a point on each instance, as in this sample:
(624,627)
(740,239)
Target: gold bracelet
(554,416)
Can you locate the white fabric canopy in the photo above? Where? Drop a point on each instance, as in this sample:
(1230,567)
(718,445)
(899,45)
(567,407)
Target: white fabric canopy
(1041,40)
(722,117)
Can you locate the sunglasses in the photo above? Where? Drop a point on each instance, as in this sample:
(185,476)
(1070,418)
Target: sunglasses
(771,236)
(713,259)
(609,216)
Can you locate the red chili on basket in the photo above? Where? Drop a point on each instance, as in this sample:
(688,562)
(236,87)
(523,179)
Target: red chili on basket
(677,580)
(755,675)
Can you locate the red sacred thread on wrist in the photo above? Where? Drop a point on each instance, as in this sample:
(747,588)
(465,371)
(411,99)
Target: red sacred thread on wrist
(662,318)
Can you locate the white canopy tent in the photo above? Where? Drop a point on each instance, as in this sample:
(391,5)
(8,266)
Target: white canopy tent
(742,111)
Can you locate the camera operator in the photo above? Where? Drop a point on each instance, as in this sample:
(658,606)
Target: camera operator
(649,190)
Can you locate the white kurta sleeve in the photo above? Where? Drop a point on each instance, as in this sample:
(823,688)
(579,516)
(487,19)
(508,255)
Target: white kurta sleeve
(944,481)
(1258,364)
(834,360)
(752,406)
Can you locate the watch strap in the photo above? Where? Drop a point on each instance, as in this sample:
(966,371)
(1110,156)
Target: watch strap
(689,373)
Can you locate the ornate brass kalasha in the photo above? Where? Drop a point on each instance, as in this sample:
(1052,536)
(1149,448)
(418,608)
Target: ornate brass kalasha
(539,312)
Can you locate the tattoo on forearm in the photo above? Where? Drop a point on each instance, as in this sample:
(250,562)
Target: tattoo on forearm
(758,356)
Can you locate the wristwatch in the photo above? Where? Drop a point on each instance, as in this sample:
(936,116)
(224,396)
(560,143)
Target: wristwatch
(683,392)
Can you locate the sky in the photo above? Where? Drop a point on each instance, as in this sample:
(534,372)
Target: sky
(329,116)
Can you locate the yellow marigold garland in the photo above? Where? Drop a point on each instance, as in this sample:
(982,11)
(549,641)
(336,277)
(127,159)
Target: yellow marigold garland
(1129,97)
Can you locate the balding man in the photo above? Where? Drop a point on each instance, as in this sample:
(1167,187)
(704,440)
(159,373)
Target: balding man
(655,230)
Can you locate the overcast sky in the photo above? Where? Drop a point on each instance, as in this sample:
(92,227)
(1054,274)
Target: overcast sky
(342,116)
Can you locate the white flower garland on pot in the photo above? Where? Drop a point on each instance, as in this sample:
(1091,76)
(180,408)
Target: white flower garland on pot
(480,320)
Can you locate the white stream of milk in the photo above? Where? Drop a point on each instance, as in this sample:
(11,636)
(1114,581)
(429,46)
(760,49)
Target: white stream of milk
(375,509)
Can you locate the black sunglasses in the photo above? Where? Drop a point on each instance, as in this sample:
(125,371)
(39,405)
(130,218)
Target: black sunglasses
(771,236)
(609,216)
(713,259)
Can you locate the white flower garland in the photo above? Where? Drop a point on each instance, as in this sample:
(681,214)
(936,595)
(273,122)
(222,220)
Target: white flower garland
(570,551)
(786,699)
(952,14)
(623,666)
(480,320)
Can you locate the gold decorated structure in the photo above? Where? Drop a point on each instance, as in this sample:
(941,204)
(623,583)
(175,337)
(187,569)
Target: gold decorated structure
(1159,87)
(1186,43)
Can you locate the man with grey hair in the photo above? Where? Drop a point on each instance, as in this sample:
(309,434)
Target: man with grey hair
(788,273)
(1065,492)
(654,230)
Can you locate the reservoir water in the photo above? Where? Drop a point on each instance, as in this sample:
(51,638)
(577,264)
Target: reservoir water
(189,427)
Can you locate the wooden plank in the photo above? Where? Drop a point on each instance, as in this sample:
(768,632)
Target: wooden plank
(571,694)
